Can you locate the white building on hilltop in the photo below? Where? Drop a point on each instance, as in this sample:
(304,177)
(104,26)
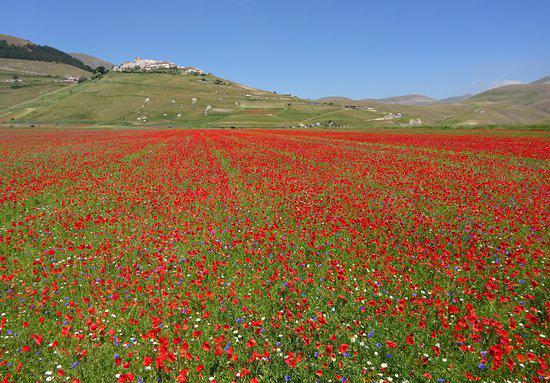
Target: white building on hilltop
(147,65)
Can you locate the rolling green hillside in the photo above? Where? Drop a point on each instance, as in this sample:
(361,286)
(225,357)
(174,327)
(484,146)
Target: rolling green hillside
(28,71)
(507,105)
(26,88)
(41,68)
(535,95)
(408,99)
(179,99)
(173,98)
(24,80)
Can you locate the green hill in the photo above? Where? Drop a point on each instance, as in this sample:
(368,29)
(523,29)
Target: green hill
(455,98)
(178,99)
(24,80)
(408,99)
(173,97)
(507,105)
(28,71)
(534,95)
(16,48)
(41,68)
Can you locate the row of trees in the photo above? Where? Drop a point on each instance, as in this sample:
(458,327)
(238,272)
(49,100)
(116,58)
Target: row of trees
(39,53)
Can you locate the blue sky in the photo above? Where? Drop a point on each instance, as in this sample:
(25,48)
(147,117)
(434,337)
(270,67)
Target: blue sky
(359,49)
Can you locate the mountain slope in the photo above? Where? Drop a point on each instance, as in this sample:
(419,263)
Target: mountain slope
(455,98)
(506,105)
(28,70)
(24,80)
(166,98)
(36,91)
(14,40)
(16,48)
(175,98)
(41,68)
(543,80)
(339,100)
(534,95)
(513,104)
(408,99)
(91,61)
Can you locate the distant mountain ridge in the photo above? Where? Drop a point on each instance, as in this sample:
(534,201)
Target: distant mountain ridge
(505,105)
(512,93)
(91,61)
(543,80)
(455,98)
(408,99)
(535,95)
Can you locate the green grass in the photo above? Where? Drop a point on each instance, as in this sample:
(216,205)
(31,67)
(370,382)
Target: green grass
(37,79)
(167,98)
(120,99)
(41,68)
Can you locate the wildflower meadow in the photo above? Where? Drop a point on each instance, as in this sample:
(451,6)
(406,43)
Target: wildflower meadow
(273,256)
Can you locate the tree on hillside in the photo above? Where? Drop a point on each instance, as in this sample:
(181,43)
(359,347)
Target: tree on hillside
(101,70)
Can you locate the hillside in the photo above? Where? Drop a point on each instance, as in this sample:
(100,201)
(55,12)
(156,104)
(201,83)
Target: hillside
(534,95)
(14,40)
(338,100)
(409,99)
(509,105)
(24,80)
(506,105)
(28,70)
(175,98)
(455,98)
(543,80)
(91,61)
(41,68)
(15,48)
(37,91)
(191,100)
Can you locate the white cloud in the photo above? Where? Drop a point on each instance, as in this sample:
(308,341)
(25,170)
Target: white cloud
(497,83)
(478,86)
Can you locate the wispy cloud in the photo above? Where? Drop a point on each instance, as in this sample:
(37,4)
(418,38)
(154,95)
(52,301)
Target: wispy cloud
(497,83)
(482,86)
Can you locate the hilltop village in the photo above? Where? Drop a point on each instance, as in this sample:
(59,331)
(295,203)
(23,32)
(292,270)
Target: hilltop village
(148,65)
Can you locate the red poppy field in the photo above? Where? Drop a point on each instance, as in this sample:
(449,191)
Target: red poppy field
(272,256)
